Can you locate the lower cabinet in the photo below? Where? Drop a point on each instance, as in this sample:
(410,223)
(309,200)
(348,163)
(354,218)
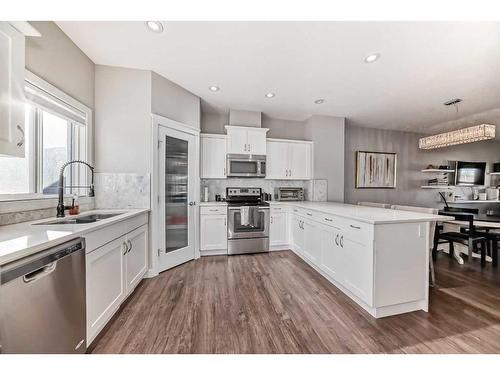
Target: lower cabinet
(278,232)
(112,272)
(312,245)
(213,233)
(298,236)
(331,257)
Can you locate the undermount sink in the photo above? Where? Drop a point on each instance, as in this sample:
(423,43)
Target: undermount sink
(84,219)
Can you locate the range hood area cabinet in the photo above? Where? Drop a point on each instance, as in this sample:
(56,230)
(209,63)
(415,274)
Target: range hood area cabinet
(246,140)
(289,160)
(213,156)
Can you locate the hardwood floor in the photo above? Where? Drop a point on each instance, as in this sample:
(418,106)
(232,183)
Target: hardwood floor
(276,303)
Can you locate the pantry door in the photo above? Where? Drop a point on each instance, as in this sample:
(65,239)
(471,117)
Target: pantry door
(177,163)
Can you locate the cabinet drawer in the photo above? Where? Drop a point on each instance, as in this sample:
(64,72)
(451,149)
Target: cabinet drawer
(358,232)
(331,221)
(213,210)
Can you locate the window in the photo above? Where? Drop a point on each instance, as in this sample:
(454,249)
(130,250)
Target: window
(56,132)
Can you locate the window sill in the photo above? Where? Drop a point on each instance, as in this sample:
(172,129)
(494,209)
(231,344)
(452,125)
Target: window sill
(30,202)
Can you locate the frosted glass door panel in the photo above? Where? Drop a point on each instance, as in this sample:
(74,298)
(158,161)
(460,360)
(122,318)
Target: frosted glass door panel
(176,193)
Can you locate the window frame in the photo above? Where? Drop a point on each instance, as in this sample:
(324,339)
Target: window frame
(35,144)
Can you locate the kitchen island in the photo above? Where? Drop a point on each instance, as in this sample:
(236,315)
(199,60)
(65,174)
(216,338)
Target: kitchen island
(378,257)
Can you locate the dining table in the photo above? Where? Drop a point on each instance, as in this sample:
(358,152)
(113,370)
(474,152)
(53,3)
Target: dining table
(482,221)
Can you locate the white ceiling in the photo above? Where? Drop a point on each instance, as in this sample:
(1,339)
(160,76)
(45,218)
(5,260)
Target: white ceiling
(422,64)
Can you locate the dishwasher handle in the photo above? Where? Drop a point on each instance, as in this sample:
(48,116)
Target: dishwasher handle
(40,273)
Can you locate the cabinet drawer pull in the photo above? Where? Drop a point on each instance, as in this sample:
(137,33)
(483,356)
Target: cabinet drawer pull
(337,239)
(355,227)
(20,143)
(213,210)
(309,214)
(327,219)
(342,241)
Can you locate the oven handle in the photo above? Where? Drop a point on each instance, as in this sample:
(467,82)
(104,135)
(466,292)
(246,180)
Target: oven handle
(238,208)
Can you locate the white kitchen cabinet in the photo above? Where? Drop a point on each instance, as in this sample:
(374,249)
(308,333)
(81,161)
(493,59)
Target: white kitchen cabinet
(113,270)
(213,233)
(331,256)
(136,257)
(12,140)
(298,239)
(213,156)
(357,267)
(105,284)
(289,160)
(312,245)
(246,140)
(277,162)
(278,232)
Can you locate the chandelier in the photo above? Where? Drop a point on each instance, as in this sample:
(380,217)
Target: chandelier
(456,137)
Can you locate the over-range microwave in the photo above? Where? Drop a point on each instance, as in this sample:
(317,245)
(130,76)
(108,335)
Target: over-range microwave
(242,165)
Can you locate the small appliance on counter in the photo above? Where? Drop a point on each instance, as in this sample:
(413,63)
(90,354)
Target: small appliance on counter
(289,194)
(496,168)
(493,194)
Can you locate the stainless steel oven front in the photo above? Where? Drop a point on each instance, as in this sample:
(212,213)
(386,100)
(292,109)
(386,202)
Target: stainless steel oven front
(241,165)
(259,227)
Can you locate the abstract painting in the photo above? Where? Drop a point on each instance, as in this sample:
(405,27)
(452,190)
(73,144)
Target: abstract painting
(375,170)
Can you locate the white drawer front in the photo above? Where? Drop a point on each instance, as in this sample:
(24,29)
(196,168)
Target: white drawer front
(213,210)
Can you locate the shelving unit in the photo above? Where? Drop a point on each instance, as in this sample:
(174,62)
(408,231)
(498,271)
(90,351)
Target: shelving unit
(436,187)
(438,171)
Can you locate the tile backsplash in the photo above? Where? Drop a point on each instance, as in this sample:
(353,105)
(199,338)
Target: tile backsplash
(314,190)
(122,190)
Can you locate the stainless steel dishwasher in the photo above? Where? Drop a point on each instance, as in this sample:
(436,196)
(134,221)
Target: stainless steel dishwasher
(42,302)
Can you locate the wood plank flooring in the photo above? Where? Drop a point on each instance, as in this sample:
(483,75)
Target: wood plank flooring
(276,303)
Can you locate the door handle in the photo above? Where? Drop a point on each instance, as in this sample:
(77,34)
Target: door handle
(337,239)
(271,219)
(249,148)
(129,246)
(20,143)
(192,203)
(245,146)
(124,245)
(342,241)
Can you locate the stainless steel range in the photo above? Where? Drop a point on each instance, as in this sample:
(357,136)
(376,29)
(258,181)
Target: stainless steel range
(248,221)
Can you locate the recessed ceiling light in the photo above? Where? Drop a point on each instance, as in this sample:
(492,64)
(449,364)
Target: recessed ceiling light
(270,95)
(319,101)
(213,88)
(372,58)
(155,26)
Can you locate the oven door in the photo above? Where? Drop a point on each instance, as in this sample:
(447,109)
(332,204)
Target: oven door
(246,166)
(258,226)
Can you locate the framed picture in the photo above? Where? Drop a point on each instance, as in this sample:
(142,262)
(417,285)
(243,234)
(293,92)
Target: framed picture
(375,170)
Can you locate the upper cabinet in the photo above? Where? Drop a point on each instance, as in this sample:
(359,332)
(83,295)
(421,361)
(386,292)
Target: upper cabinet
(213,156)
(246,140)
(11,91)
(289,160)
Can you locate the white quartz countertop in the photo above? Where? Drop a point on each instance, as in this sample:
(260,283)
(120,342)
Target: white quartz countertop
(213,203)
(370,215)
(23,239)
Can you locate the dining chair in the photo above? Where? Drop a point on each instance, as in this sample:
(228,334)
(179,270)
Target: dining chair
(432,231)
(467,235)
(373,204)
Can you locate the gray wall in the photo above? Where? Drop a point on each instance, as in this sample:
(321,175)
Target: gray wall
(171,100)
(122,119)
(55,58)
(327,133)
(411,160)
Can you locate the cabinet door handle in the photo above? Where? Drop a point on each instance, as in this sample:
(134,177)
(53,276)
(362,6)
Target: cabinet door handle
(225,221)
(20,143)
(308,214)
(124,245)
(355,227)
(271,219)
(129,246)
(342,241)
(249,148)
(245,146)
(327,219)
(337,239)
(290,172)
(224,171)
